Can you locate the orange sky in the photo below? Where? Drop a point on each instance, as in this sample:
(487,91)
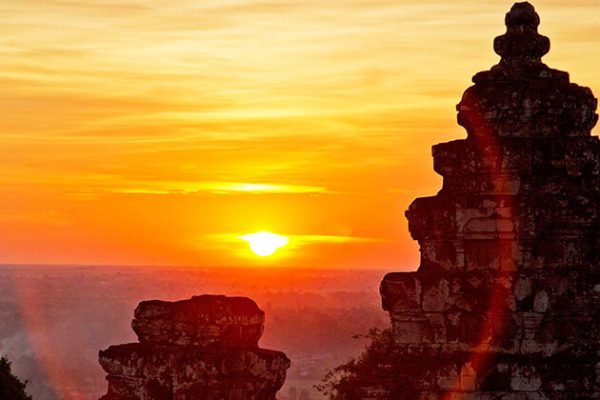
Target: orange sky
(156,132)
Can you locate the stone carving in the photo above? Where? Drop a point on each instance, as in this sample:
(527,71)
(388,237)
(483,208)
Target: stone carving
(506,301)
(203,348)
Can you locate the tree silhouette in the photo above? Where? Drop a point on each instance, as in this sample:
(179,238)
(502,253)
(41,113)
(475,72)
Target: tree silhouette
(11,388)
(378,366)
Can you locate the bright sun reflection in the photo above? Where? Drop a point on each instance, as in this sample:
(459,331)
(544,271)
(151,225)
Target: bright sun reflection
(265,243)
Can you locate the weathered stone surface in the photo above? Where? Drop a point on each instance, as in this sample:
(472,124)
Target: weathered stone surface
(165,372)
(200,321)
(203,348)
(505,303)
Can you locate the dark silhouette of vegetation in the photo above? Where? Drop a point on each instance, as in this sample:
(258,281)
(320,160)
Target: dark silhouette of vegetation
(11,388)
(379,369)
(346,382)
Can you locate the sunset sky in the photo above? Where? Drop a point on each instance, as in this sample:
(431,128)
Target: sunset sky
(158,132)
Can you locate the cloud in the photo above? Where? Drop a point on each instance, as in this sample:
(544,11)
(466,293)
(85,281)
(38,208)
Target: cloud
(168,102)
(166,188)
(295,240)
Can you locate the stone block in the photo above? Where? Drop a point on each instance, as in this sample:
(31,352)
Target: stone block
(200,321)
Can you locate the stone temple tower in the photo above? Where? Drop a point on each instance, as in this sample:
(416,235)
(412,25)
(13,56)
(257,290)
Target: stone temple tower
(506,301)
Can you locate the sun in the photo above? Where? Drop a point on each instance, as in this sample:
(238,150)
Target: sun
(263,243)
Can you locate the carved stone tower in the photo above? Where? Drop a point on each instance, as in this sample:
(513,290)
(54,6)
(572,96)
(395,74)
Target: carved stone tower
(506,301)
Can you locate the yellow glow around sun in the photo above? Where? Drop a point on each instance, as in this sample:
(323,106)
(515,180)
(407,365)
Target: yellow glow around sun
(265,243)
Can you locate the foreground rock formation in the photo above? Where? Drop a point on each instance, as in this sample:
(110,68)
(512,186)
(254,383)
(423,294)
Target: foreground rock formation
(506,301)
(204,348)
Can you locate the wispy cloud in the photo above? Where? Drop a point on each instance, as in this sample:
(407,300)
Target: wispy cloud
(154,101)
(220,188)
(295,241)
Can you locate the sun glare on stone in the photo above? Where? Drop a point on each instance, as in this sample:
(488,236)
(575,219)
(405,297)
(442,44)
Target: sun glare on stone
(264,244)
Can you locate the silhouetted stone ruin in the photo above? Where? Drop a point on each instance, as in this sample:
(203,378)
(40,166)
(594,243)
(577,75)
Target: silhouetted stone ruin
(506,301)
(204,348)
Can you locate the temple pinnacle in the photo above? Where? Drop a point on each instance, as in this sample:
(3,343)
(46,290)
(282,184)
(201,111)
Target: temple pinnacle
(522,44)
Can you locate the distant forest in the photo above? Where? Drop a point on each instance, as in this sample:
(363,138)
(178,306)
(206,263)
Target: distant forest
(72,312)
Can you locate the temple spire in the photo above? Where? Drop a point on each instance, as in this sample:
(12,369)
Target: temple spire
(521,96)
(522,44)
(501,306)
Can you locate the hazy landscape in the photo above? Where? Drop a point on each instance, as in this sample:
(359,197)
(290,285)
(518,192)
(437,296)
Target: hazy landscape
(56,318)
